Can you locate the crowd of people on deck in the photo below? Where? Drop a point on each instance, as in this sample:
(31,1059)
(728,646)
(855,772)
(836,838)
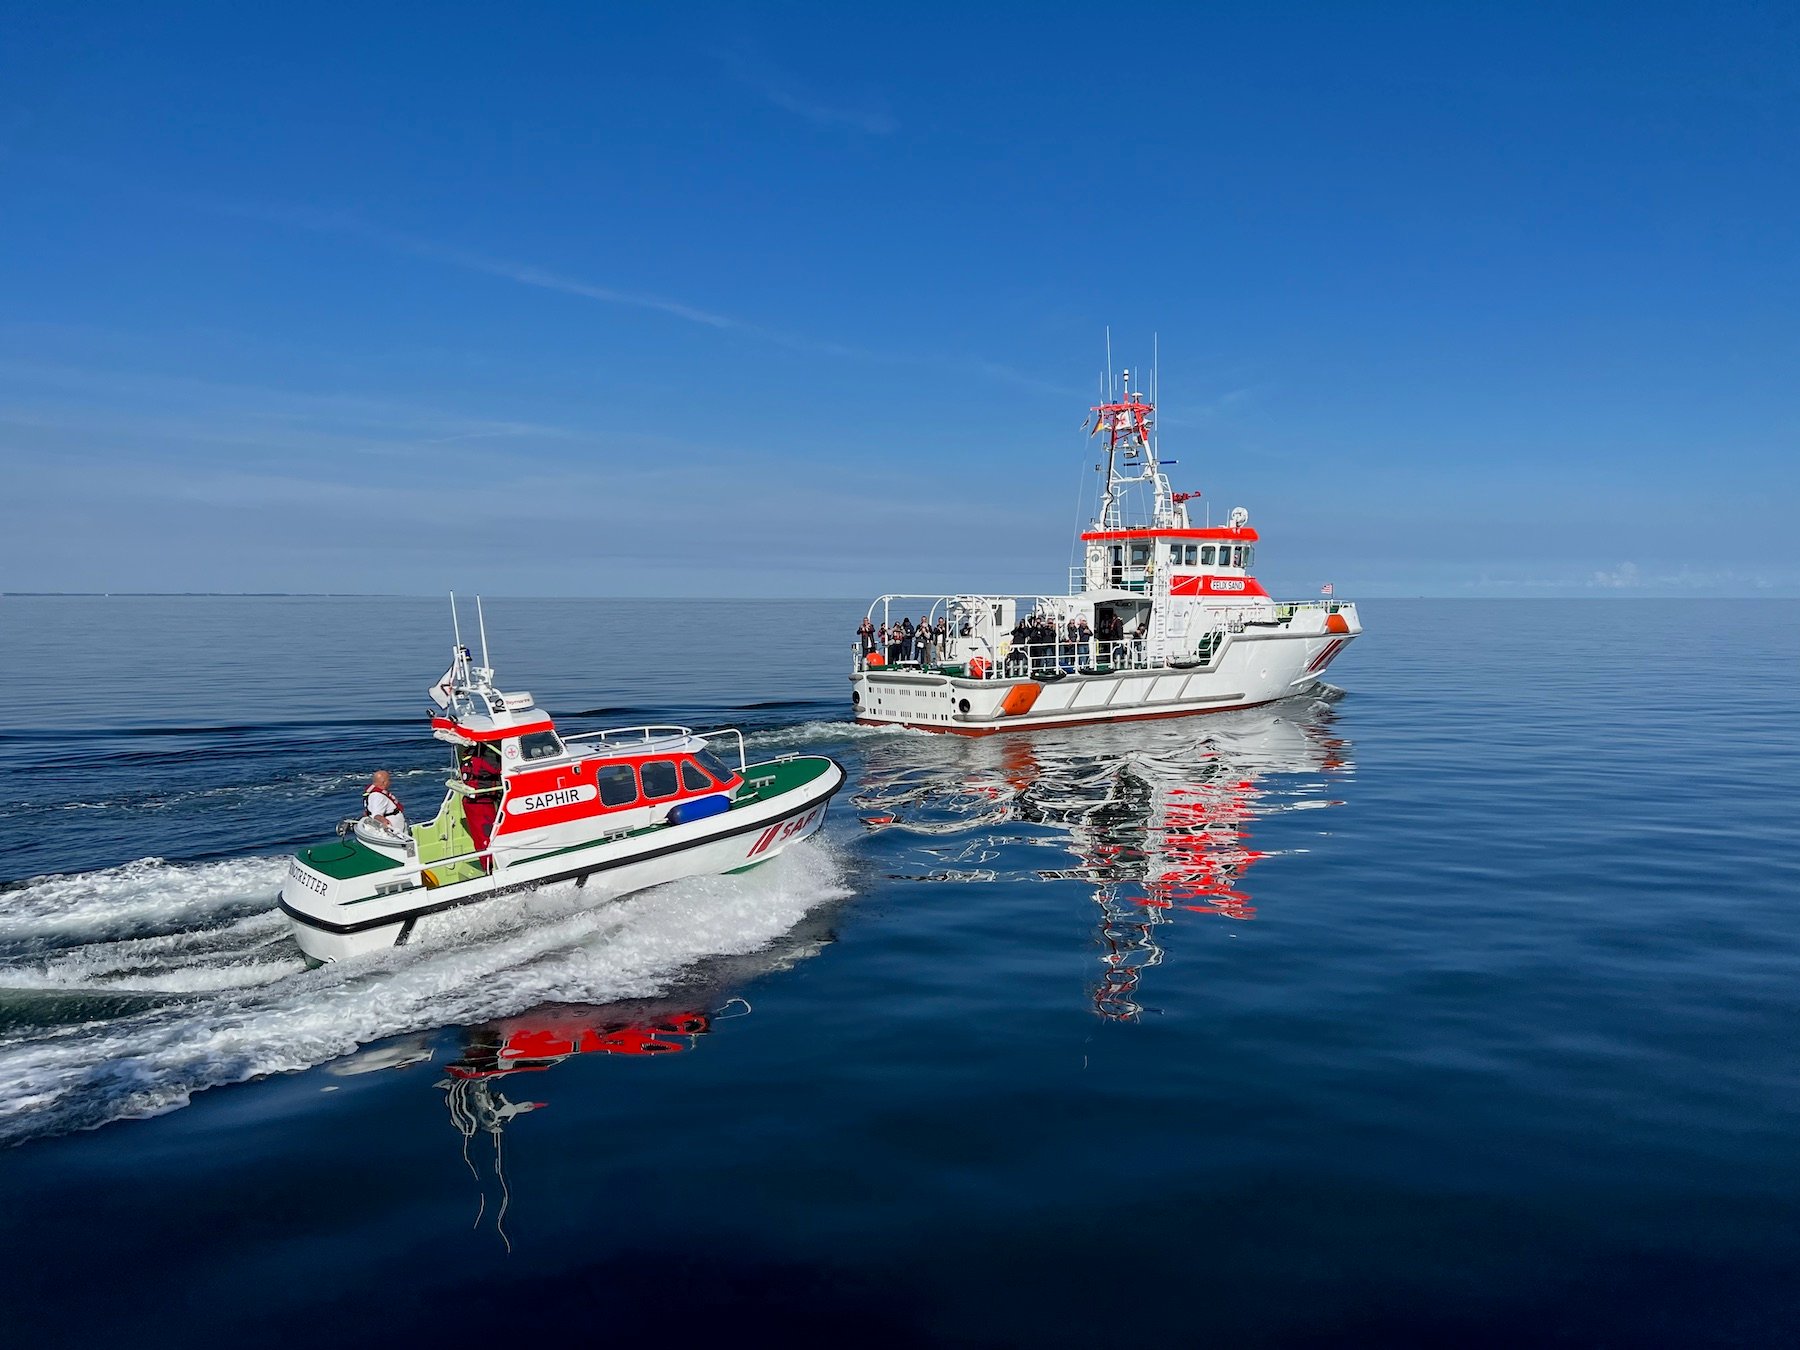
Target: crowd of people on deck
(1040,636)
(923,643)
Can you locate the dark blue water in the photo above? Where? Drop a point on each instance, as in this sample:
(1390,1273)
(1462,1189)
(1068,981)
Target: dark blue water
(1459,1010)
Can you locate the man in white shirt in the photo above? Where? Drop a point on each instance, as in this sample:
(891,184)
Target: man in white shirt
(382,806)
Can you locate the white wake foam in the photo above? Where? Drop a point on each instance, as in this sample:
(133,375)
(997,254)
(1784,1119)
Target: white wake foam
(146,896)
(811,734)
(241,1004)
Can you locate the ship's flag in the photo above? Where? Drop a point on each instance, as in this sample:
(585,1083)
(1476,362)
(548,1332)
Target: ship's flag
(1328,589)
(440,692)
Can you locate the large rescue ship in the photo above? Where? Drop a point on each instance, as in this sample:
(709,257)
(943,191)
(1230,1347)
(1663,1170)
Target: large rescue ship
(1163,618)
(614,811)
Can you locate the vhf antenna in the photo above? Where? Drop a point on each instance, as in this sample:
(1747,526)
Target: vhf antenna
(481,619)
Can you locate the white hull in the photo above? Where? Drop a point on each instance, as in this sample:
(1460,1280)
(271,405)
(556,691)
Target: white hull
(333,920)
(1252,667)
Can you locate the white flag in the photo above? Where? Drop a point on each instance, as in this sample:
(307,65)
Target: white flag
(1328,589)
(440,692)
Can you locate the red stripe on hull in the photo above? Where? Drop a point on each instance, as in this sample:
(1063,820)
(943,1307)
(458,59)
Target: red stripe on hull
(968,730)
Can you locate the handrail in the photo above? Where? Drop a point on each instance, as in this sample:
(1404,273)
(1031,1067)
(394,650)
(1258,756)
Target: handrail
(960,648)
(642,734)
(1070,656)
(743,758)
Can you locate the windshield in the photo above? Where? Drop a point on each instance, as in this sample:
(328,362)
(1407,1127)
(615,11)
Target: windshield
(707,760)
(540,745)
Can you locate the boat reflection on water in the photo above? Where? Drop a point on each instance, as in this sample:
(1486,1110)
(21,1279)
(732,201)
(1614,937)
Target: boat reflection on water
(526,1046)
(1160,821)
(539,1040)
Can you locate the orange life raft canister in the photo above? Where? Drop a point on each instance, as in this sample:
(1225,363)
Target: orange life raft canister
(1020,698)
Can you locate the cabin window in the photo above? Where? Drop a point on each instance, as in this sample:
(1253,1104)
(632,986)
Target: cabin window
(1237,556)
(707,760)
(1249,555)
(618,785)
(693,780)
(1206,556)
(540,745)
(1193,551)
(1174,554)
(659,778)
(1140,554)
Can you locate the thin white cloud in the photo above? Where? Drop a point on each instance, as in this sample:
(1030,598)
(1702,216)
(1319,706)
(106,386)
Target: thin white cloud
(542,278)
(781,89)
(1623,577)
(252,405)
(524,274)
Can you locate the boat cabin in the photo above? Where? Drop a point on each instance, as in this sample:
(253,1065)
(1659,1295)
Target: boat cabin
(519,787)
(1205,561)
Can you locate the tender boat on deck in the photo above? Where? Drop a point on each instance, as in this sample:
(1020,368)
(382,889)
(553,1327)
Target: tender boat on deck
(1163,618)
(614,811)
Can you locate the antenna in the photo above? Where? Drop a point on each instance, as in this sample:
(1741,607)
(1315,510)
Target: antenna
(1109,383)
(455,626)
(482,620)
(1155,363)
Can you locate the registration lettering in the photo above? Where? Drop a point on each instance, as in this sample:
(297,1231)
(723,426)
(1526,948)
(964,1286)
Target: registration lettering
(546,801)
(781,832)
(296,873)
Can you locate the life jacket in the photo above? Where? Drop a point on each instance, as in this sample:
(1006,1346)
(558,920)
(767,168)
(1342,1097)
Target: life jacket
(387,792)
(481,771)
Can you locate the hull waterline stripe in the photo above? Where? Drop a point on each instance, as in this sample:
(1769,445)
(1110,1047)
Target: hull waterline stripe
(1102,715)
(411,915)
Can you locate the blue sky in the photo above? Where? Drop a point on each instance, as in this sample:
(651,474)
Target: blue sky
(811,300)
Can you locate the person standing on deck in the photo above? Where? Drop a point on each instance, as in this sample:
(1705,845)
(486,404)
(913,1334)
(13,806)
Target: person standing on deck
(906,638)
(482,773)
(923,635)
(865,635)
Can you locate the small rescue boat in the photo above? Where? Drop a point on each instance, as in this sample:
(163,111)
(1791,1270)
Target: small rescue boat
(614,811)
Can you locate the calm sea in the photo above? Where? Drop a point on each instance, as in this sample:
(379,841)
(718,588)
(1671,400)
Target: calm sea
(1460,1009)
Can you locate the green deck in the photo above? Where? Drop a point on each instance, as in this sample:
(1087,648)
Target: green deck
(343,859)
(448,835)
(762,781)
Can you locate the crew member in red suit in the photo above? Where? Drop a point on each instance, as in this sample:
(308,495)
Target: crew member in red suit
(482,772)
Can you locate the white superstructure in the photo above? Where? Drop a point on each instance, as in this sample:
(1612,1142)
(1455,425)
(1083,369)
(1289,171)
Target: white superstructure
(1162,618)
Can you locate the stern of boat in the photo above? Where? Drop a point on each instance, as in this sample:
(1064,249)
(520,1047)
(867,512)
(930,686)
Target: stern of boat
(324,884)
